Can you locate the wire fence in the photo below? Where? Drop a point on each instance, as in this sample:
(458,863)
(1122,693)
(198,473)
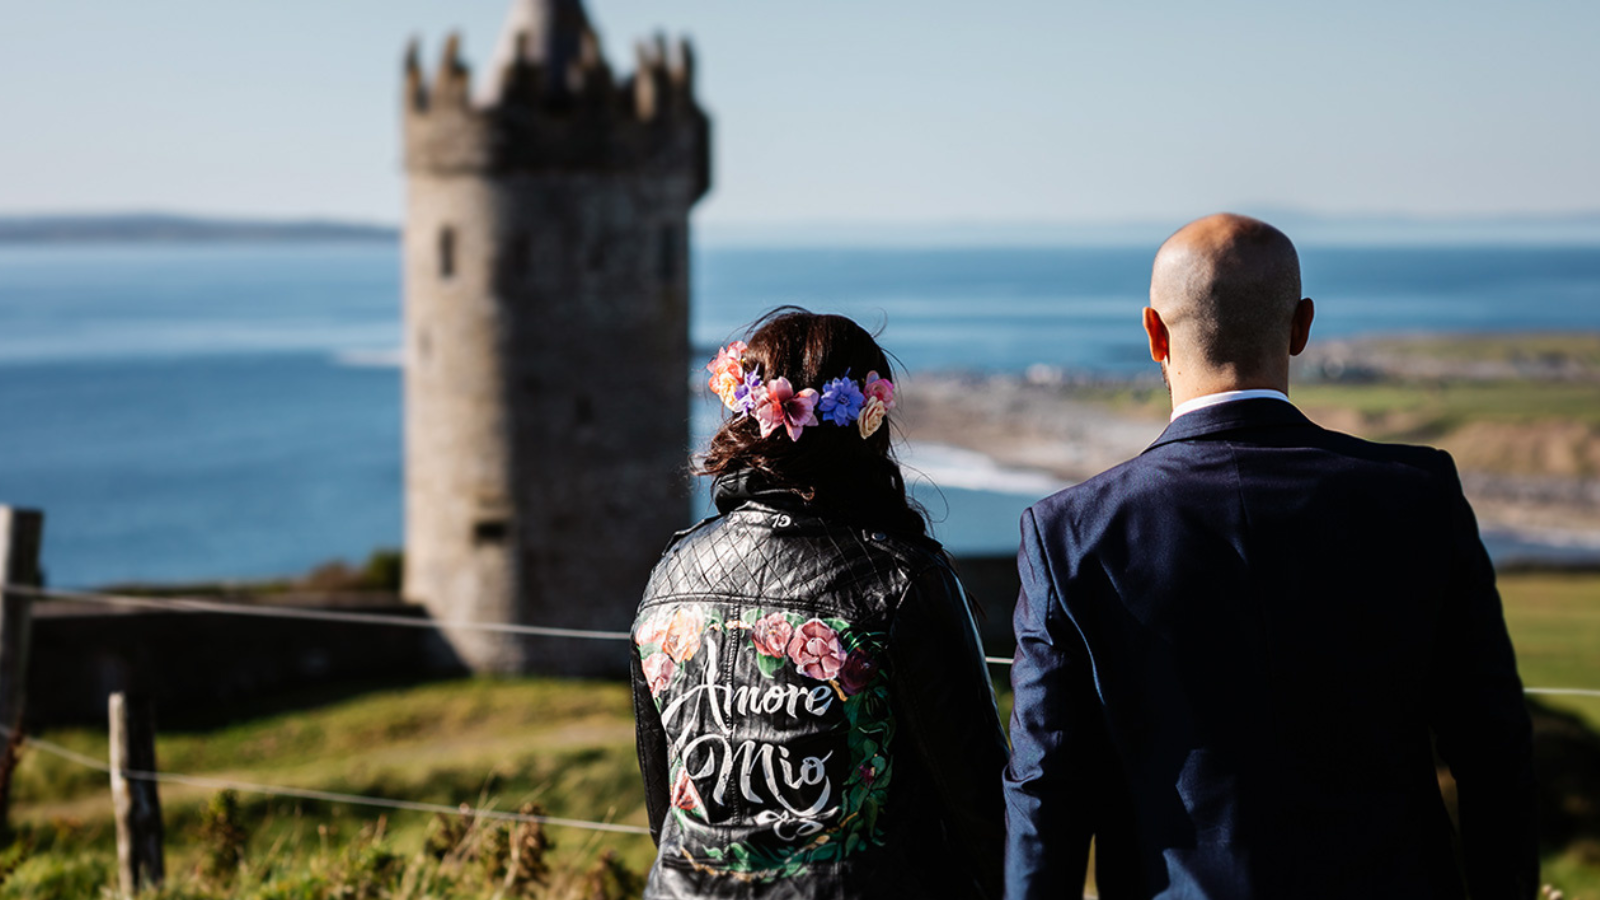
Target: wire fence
(276,790)
(199,605)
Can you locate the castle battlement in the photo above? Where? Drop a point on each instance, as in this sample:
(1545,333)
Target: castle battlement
(553,103)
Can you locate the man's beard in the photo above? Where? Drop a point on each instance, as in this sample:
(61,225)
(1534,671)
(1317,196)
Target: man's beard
(1165,382)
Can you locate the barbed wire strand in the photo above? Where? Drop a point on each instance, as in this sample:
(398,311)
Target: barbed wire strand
(330,796)
(1572,692)
(81,759)
(195,605)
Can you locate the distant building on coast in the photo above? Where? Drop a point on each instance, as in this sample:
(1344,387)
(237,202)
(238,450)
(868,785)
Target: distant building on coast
(547,332)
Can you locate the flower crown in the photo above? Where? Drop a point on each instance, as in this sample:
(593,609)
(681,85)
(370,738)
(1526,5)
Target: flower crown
(776,403)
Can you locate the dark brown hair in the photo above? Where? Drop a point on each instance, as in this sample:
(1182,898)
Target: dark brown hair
(831,466)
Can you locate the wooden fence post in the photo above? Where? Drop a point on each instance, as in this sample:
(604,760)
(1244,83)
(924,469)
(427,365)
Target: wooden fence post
(138,805)
(20,531)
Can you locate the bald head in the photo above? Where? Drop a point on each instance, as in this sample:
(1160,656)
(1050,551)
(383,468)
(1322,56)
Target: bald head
(1227,287)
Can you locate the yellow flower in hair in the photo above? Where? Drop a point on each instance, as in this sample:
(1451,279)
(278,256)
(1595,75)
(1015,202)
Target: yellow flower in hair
(872,415)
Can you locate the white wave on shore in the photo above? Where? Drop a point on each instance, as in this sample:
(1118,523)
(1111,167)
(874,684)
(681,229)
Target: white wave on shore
(371,359)
(1569,539)
(955,467)
(930,464)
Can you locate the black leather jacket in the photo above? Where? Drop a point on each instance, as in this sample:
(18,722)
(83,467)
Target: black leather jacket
(814,715)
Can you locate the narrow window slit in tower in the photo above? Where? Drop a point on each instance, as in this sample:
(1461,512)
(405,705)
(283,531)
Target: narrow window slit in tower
(447,252)
(669,251)
(490,531)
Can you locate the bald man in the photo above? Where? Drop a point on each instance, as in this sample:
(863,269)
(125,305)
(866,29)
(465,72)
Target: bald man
(1237,652)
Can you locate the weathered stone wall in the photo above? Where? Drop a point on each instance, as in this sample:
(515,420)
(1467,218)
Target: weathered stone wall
(198,665)
(547,408)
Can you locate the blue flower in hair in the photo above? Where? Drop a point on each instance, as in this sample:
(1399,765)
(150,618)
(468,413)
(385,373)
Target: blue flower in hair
(841,401)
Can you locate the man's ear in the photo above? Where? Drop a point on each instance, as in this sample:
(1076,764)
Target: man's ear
(1300,326)
(1156,330)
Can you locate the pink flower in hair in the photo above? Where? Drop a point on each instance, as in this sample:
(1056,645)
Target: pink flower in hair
(727,373)
(777,405)
(728,357)
(879,389)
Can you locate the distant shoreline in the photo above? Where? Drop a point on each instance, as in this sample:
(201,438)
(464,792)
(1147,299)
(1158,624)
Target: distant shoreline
(141,228)
(1520,413)
(1577,229)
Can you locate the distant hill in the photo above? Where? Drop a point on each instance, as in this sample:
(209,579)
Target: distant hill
(1306,228)
(164,228)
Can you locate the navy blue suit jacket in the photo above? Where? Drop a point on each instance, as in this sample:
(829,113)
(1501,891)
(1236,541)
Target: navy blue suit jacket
(1231,652)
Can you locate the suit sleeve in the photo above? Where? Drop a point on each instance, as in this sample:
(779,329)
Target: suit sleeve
(941,688)
(1481,722)
(1058,739)
(651,742)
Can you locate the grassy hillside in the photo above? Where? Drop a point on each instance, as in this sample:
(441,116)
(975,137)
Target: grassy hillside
(566,746)
(1519,404)
(1555,623)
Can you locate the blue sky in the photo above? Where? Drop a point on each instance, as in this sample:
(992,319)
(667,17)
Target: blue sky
(855,112)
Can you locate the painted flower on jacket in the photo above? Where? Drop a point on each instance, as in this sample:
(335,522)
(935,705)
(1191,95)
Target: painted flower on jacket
(867,773)
(658,669)
(684,793)
(816,650)
(682,640)
(772,634)
(727,373)
(857,672)
(778,406)
(879,388)
(652,629)
(871,417)
(841,401)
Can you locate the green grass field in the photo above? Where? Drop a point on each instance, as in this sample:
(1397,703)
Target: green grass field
(1438,407)
(1582,349)
(1555,623)
(1401,410)
(566,746)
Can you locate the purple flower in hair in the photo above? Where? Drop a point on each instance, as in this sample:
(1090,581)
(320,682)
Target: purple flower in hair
(841,401)
(744,396)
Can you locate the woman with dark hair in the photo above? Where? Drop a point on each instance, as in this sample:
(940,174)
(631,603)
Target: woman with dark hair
(814,716)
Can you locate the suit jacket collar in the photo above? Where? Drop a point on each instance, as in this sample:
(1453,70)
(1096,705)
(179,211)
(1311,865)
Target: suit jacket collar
(1233,416)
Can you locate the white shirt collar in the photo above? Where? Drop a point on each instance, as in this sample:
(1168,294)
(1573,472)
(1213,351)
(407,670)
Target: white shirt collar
(1189,406)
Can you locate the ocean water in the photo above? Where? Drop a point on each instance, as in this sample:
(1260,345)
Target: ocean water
(216,412)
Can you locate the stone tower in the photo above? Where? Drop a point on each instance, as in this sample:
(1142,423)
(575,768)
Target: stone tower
(547,333)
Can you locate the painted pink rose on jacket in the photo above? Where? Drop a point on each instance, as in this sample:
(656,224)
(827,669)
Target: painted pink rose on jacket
(652,630)
(658,669)
(772,634)
(816,651)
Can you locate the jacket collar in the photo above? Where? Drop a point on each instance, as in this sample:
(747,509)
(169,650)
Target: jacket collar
(737,488)
(1232,416)
(747,487)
